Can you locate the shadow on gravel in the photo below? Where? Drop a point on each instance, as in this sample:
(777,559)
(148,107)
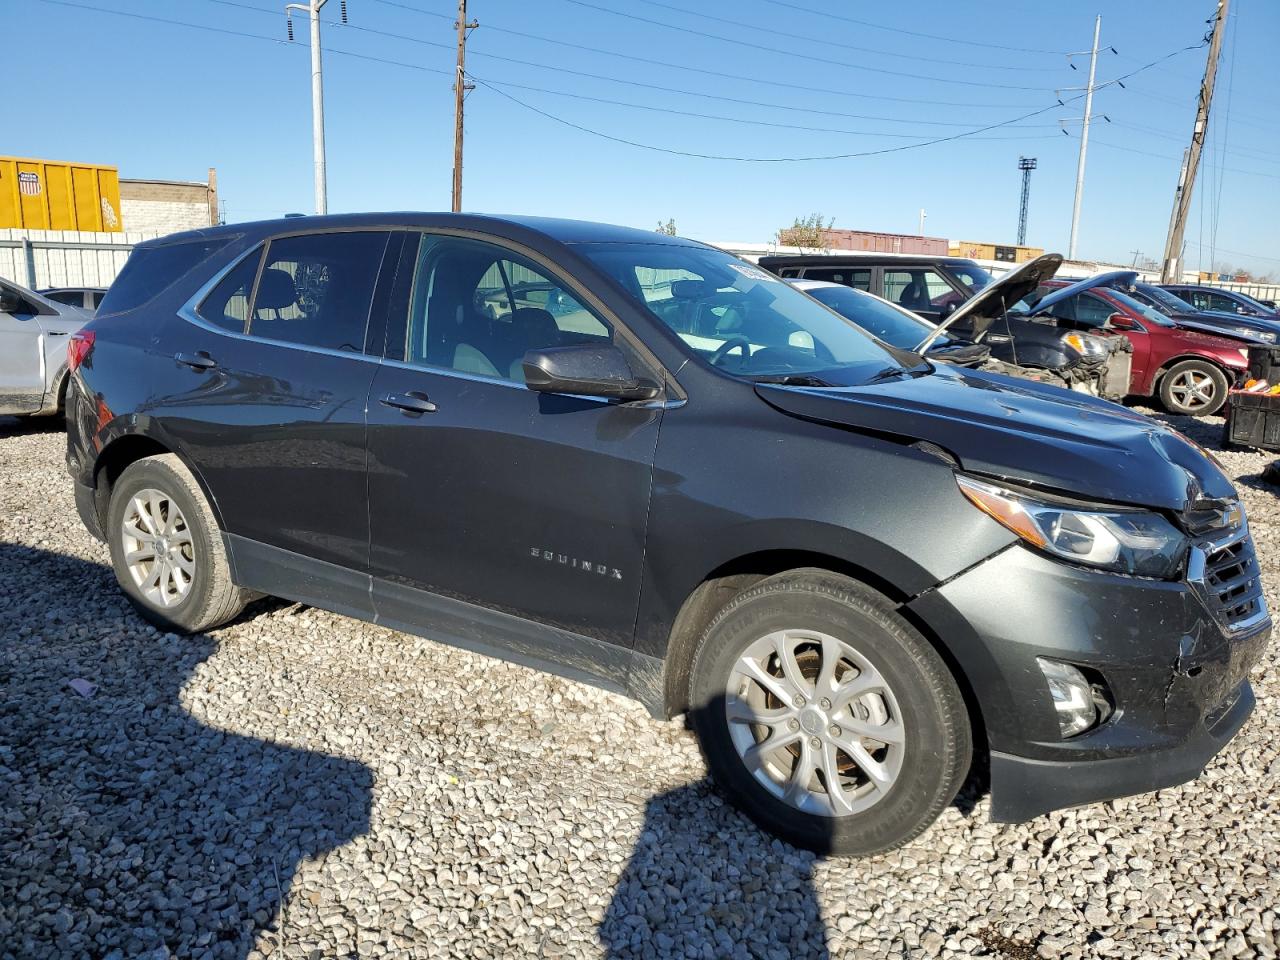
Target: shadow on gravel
(24,426)
(128,829)
(704,882)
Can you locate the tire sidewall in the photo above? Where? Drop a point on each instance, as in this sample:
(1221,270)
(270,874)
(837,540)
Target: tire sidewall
(1220,382)
(154,474)
(938,745)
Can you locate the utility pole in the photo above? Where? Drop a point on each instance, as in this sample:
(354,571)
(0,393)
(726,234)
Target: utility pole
(1171,266)
(460,88)
(312,9)
(1136,255)
(1084,140)
(923,216)
(1026,165)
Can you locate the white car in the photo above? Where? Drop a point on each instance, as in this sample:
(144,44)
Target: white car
(33,350)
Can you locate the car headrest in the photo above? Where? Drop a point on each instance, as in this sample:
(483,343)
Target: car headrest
(535,323)
(276,290)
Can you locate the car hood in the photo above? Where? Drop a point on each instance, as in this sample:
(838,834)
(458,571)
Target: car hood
(994,300)
(1024,432)
(1116,279)
(1193,322)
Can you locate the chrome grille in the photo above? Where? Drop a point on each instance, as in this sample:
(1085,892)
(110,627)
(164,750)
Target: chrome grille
(1225,568)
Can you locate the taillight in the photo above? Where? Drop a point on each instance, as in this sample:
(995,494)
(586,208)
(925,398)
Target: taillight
(78,348)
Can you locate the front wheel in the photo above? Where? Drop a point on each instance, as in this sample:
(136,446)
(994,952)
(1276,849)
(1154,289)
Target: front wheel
(167,550)
(825,717)
(1195,388)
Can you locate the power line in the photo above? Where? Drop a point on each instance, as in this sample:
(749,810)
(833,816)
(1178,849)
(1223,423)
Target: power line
(809,57)
(1166,156)
(912,33)
(649,61)
(772,31)
(741,159)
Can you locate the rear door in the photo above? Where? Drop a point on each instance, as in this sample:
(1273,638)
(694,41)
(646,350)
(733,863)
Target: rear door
(269,381)
(483,491)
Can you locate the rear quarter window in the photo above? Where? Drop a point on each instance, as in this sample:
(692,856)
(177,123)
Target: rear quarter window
(152,270)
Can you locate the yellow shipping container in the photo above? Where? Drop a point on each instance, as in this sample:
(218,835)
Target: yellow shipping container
(49,195)
(993,251)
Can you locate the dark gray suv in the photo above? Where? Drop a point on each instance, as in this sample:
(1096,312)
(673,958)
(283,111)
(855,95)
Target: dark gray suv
(640,462)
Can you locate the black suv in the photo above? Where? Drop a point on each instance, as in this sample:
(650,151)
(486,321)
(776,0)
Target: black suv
(641,462)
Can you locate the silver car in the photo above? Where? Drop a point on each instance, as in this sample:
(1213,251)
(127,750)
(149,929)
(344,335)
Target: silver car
(33,350)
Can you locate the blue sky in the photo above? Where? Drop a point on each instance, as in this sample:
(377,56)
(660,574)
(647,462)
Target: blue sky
(167,101)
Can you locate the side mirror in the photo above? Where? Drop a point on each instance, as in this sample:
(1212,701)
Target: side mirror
(1118,321)
(587,370)
(11,303)
(949,308)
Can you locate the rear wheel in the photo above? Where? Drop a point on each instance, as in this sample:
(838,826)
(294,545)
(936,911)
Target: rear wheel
(1195,388)
(825,717)
(167,550)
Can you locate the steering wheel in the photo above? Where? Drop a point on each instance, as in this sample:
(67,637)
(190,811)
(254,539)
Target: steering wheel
(732,343)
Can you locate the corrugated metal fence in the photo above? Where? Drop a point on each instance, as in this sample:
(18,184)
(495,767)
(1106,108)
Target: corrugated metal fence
(65,258)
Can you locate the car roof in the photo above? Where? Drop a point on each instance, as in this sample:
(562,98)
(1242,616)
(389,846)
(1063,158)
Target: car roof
(511,226)
(852,257)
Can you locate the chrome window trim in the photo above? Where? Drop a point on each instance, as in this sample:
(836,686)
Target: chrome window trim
(189,312)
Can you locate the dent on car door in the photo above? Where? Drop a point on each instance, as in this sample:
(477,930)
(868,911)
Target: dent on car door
(485,492)
(266,393)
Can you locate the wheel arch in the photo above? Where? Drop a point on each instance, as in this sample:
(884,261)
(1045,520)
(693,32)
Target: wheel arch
(732,577)
(1172,362)
(121,452)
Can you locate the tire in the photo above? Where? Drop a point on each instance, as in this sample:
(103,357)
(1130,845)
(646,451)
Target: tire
(913,698)
(148,490)
(1194,388)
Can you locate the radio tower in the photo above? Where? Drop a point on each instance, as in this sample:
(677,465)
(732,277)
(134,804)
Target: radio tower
(1026,165)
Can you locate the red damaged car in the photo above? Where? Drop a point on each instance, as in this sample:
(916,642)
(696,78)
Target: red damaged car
(1189,370)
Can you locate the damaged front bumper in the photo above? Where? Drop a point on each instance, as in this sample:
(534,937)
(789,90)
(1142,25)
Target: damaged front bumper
(1174,664)
(1105,376)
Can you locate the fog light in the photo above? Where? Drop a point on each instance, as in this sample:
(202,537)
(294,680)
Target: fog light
(1073,696)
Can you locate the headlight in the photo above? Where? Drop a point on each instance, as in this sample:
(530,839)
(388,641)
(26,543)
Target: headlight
(1266,335)
(1136,542)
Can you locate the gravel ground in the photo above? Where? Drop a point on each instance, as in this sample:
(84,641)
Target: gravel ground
(298,784)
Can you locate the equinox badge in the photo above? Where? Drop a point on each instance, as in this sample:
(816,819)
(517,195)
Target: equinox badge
(586,566)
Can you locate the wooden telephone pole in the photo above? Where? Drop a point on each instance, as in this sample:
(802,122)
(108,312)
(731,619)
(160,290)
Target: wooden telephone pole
(1171,266)
(460,88)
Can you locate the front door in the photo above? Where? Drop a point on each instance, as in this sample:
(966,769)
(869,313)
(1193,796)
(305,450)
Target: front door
(922,290)
(22,356)
(484,492)
(267,388)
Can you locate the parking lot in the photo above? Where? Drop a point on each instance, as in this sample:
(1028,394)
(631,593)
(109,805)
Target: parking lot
(299,784)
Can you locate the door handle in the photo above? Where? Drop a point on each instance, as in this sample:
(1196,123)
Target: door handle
(196,361)
(413,402)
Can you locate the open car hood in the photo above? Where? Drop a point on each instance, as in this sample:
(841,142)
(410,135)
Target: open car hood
(1121,280)
(994,300)
(1024,432)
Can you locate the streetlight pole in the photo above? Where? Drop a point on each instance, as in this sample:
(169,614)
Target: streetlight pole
(1084,141)
(312,8)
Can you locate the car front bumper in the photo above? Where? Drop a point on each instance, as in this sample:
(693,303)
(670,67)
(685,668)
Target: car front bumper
(1177,675)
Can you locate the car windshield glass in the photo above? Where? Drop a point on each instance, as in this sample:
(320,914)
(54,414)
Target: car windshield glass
(893,325)
(1251,302)
(1164,299)
(740,318)
(971,275)
(1149,314)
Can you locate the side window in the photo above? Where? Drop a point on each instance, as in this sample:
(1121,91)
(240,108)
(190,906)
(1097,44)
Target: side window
(859,279)
(72,298)
(477,308)
(227,305)
(918,289)
(152,269)
(95,298)
(316,290)
(1092,311)
(1217,301)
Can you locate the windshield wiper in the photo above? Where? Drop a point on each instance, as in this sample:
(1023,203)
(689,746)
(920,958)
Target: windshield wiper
(888,373)
(793,380)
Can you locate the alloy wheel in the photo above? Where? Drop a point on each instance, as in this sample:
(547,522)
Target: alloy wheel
(814,722)
(1193,390)
(158,548)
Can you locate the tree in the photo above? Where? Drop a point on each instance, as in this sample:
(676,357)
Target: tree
(807,232)
(668,228)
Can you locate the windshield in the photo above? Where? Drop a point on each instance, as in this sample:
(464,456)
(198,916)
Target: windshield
(740,318)
(971,275)
(879,318)
(1256,304)
(1163,299)
(1150,314)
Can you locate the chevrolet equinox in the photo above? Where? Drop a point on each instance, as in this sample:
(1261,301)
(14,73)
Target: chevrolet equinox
(637,461)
